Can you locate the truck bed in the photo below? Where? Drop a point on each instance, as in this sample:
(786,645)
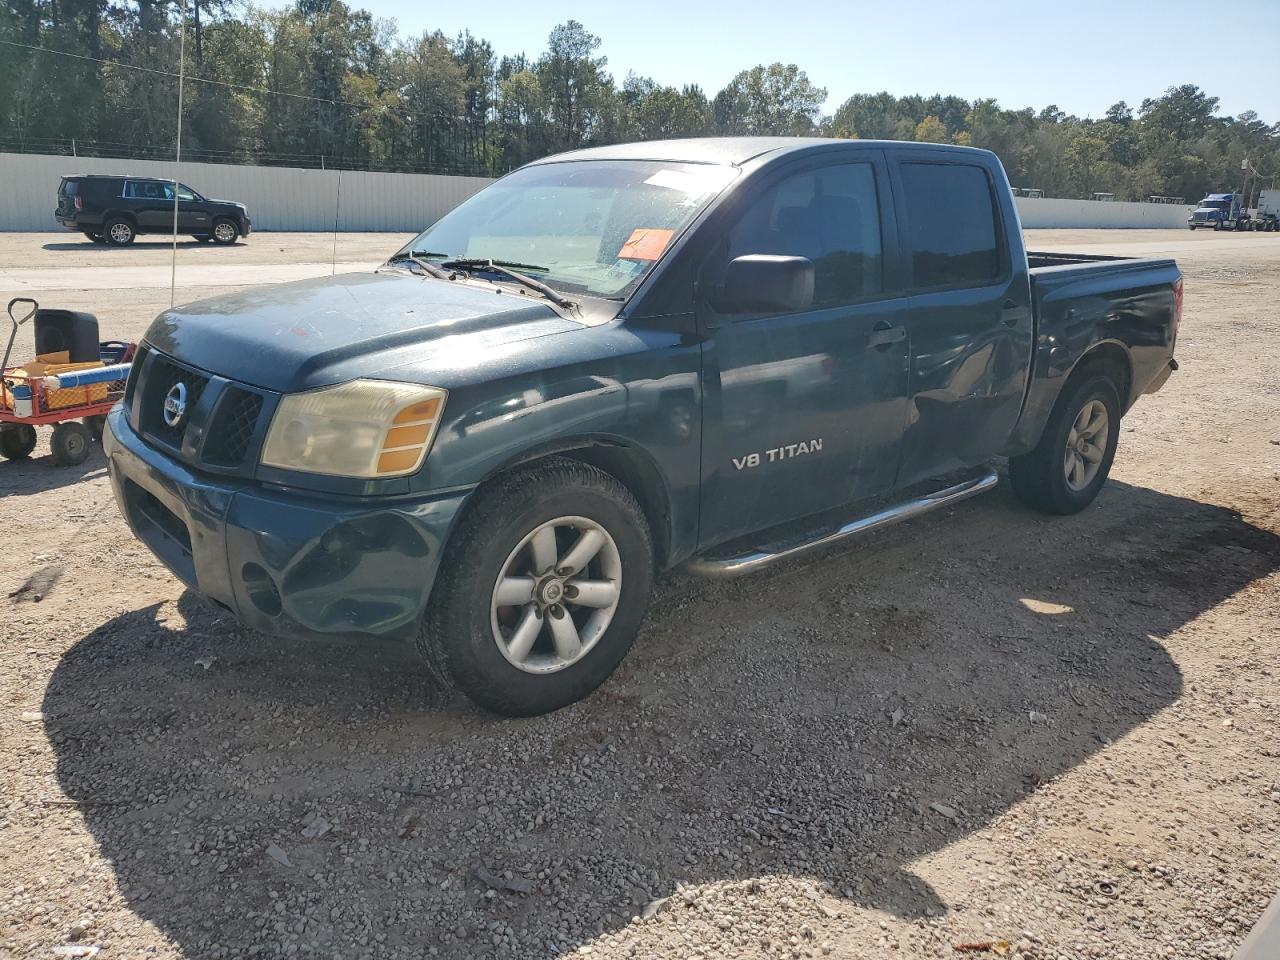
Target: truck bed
(1082,300)
(1118,279)
(1037,259)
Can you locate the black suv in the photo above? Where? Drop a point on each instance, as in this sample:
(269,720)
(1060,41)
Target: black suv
(116,209)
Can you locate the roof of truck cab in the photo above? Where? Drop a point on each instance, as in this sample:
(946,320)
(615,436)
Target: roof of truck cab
(730,150)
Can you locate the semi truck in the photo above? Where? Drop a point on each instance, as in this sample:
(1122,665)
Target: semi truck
(1266,216)
(1220,211)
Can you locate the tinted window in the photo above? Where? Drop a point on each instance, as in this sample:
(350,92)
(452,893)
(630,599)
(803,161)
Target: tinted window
(829,215)
(951,224)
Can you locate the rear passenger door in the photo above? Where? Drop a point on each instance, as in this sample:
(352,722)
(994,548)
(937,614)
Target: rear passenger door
(145,200)
(967,310)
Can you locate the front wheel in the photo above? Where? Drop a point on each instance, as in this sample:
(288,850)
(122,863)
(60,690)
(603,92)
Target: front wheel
(542,589)
(225,232)
(1068,467)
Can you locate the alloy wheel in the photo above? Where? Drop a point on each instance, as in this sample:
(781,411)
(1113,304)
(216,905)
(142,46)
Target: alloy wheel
(1086,445)
(556,594)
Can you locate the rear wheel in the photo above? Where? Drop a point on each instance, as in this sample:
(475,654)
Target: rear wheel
(542,590)
(225,232)
(17,442)
(119,232)
(1068,467)
(201,237)
(70,443)
(95,237)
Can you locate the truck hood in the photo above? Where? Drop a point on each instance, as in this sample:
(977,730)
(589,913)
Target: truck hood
(310,333)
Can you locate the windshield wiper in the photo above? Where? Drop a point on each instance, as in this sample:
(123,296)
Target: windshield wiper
(438,272)
(503,268)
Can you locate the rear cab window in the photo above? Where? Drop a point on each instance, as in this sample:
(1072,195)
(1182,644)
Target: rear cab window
(68,188)
(952,232)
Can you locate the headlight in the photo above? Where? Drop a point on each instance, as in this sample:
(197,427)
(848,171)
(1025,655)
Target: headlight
(365,428)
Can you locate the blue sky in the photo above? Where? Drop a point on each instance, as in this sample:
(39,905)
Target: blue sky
(1082,55)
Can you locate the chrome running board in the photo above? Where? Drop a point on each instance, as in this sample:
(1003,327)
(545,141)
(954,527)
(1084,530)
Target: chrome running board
(759,559)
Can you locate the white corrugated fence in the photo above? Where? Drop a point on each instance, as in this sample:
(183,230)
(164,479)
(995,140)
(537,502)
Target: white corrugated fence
(278,198)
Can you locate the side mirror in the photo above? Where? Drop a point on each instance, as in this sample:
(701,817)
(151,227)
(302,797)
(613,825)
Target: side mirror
(765,283)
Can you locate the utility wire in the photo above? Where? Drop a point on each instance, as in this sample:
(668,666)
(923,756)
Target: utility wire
(219,83)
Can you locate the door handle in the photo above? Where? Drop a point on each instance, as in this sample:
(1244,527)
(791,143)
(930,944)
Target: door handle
(883,335)
(1011,313)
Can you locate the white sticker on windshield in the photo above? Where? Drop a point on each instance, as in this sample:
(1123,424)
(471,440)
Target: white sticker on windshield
(689,182)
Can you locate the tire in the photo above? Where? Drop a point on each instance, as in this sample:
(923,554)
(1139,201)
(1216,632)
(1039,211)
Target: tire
(95,237)
(470,641)
(96,425)
(119,232)
(225,232)
(1191,226)
(1040,477)
(71,442)
(201,237)
(17,442)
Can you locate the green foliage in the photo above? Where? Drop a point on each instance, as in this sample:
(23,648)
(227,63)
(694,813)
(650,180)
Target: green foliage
(319,82)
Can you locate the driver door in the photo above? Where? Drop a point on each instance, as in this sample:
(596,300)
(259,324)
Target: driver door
(805,411)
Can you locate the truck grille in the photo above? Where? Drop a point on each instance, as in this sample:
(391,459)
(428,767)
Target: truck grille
(220,434)
(162,377)
(235,421)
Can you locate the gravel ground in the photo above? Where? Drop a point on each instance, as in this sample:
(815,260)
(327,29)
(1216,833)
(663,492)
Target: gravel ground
(986,726)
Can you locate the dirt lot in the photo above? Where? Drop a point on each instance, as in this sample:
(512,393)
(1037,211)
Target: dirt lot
(984,726)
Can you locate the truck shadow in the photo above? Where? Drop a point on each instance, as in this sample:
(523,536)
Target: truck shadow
(798,725)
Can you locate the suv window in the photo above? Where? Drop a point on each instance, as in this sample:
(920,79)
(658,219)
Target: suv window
(184,192)
(951,224)
(830,215)
(144,190)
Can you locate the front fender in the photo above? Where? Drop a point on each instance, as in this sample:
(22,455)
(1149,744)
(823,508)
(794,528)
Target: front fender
(636,412)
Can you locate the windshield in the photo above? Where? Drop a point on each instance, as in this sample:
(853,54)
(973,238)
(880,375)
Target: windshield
(592,227)
(1214,204)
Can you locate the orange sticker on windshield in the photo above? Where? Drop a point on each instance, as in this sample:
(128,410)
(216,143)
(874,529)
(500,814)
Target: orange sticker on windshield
(646,244)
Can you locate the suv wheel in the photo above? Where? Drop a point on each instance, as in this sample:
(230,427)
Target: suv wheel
(95,237)
(542,589)
(119,232)
(225,232)
(1068,467)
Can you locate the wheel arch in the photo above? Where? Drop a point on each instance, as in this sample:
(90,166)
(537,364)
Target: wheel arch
(110,215)
(1111,359)
(630,465)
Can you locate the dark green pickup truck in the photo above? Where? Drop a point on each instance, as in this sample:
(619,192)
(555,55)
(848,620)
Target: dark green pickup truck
(716,353)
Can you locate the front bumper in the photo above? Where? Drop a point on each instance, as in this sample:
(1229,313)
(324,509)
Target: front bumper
(282,561)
